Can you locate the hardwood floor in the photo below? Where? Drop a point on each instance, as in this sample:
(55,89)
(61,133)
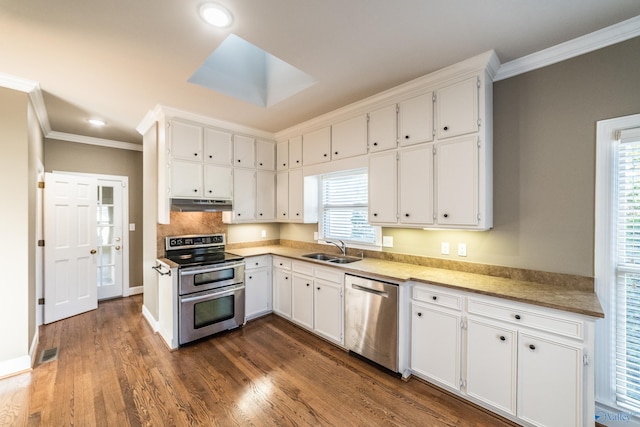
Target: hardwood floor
(112,370)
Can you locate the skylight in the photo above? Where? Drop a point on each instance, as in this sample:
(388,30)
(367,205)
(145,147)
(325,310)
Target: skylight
(238,68)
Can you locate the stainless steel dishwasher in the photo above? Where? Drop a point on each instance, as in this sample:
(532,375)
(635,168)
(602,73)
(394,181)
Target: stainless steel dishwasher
(371,320)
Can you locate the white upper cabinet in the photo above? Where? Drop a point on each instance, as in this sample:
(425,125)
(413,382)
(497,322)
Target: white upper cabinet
(316,146)
(217,146)
(415,188)
(185,141)
(244,189)
(282,196)
(457,182)
(218,182)
(457,109)
(282,155)
(415,120)
(349,138)
(186,179)
(383,129)
(244,151)
(265,155)
(265,196)
(383,187)
(295,152)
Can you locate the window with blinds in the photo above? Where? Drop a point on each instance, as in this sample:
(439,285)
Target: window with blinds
(627,268)
(344,205)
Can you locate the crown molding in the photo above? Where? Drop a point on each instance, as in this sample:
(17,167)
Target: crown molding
(61,136)
(608,36)
(32,89)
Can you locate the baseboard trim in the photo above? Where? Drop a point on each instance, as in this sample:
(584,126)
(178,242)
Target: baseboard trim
(11,367)
(149,318)
(134,290)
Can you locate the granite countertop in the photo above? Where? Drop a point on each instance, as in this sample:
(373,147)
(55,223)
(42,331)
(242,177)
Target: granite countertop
(545,295)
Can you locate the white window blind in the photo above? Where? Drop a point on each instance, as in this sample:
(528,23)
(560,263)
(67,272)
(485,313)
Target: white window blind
(345,207)
(627,201)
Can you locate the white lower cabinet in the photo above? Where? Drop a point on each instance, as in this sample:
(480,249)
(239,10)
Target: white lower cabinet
(527,363)
(311,296)
(258,286)
(492,363)
(436,338)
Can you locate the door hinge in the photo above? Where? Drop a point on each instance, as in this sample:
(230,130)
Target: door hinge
(586,360)
(398,156)
(434,150)
(463,325)
(478,82)
(397,109)
(40,184)
(40,243)
(463,383)
(433,98)
(479,122)
(368,117)
(40,301)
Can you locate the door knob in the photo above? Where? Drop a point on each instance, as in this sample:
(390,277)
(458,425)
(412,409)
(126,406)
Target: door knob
(117,248)
(93,252)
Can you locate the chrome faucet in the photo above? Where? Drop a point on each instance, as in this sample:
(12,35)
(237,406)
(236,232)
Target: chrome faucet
(341,246)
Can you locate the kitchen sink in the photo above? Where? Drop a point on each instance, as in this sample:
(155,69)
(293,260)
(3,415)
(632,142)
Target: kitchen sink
(336,259)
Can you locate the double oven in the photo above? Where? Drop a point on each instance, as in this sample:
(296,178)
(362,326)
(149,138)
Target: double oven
(211,287)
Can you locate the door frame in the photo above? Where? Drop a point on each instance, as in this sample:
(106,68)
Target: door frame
(124,180)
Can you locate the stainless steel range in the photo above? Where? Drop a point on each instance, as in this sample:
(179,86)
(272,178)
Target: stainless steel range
(210,285)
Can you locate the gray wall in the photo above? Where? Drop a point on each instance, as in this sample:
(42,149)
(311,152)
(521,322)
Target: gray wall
(544,166)
(75,157)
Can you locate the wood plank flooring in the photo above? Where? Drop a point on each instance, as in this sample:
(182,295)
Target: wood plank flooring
(112,370)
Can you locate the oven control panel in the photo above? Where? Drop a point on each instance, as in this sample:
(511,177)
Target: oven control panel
(194,241)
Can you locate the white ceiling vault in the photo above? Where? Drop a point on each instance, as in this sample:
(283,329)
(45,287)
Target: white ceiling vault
(117,59)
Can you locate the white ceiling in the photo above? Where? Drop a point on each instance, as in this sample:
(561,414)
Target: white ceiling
(118,59)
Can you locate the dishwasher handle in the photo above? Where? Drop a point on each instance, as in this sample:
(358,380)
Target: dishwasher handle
(371,291)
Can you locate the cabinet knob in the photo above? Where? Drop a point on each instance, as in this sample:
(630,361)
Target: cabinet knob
(286,278)
(407,137)
(260,164)
(260,214)
(375,214)
(210,191)
(324,155)
(407,215)
(318,287)
(335,152)
(297,214)
(210,156)
(532,347)
(446,215)
(284,164)
(297,161)
(375,144)
(238,214)
(250,277)
(517,317)
(257,263)
(284,214)
(445,128)
(503,338)
(195,154)
(238,160)
(195,191)
(307,284)
(419,314)
(435,298)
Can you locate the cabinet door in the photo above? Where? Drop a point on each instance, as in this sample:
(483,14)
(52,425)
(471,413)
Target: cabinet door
(383,187)
(186,179)
(265,196)
(218,182)
(282,155)
(383,129)
(457,109)
(302,300)
(296,195)
(295,152)
(282,196)
(349,138)
(435,344)
(265,155)
(415,120)
(416,185)
(491,364)
(549,381)
(217,147)
(244,194)
(328,310)
(257,292)
(282,292)
(186,141)
(457,181)
(316,146)
(243,151)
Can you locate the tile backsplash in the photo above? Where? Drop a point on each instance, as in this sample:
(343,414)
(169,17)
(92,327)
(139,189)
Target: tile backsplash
(190,223)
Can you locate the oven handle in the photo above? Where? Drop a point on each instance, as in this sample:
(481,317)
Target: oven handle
(158,268)
(209,268)
(211,294)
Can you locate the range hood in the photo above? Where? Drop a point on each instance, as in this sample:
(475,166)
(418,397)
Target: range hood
(200,205)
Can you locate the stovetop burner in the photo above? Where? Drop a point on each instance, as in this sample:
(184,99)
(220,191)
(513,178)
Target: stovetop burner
(196,250)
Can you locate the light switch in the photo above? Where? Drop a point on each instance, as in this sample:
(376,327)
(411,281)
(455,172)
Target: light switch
(132,227)
(462,249)
(387,241)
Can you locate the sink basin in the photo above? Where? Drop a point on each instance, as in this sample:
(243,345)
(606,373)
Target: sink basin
(336,259)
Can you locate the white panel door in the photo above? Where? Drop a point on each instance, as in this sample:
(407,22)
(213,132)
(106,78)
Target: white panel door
(70,246)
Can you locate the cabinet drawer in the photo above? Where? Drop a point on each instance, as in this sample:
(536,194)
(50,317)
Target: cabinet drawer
(302,268)
(256,262)
(330,274)
(282,263)
(527,317)
(437,297)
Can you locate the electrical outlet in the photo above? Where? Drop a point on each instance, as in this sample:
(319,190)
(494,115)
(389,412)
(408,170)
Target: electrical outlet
(387,241)
(444,249)
(315,235)
(263,233)
(462,249)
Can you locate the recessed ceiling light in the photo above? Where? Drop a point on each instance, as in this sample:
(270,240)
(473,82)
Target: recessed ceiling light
(216,15)
(97,122)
